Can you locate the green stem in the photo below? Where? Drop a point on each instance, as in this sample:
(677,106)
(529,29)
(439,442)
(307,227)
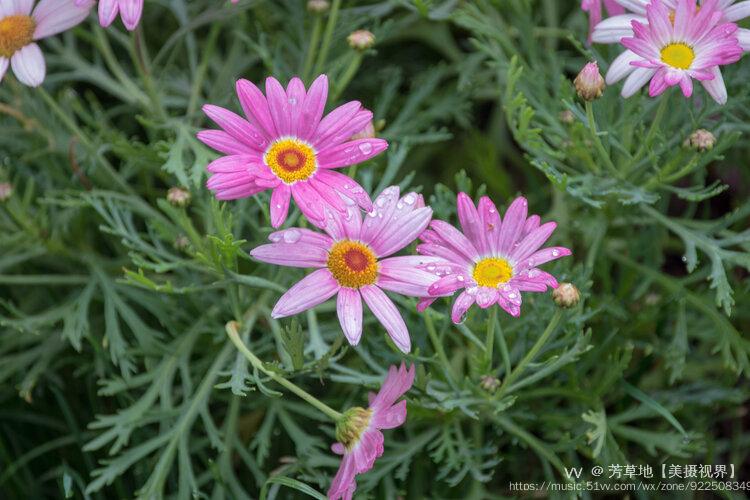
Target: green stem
(326,45)
(114,66)
(489,341)
(200,74)
(518,370)
(432,332)
(597,140)
(231,329)
(651,131)
(141,60)
(312,47)
(351,70)
(503,349)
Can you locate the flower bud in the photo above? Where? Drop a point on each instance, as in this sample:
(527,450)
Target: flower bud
(701,140)
(566,295)
(318,6)
(567,117)
(489,383)
(6,191)
(181,242)
(353,423)
(366,133)
(589,82)
(178,197)
(361,39)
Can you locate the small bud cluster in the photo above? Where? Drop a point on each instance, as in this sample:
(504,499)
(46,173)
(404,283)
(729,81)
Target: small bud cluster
(589,83)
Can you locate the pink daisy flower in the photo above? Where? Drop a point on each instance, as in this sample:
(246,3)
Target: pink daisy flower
(359,438)
(351,263)
(20,28)
(676,47)
(594,8)
(613,29)
(493,260)
(286,145)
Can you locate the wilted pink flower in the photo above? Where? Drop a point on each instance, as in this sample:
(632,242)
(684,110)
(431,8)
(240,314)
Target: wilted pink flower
(284,145)
(594,8)
(349,263)
(493,260)
(613,29)
(20,28)
(676,47)
(359,438)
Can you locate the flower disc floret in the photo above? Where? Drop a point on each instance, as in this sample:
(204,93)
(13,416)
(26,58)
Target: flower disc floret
(353,264)
(678,55)
(492,272)
(291,160)
(16,32)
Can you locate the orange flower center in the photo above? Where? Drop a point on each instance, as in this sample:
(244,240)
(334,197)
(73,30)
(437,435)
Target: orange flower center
(16,32)
(291,160)
(353,264)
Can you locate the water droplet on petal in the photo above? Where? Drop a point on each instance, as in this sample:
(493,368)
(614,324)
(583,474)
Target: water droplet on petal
(555,253)
(292,101)
(684,258)
(292,236)
(366,148)
(409,199)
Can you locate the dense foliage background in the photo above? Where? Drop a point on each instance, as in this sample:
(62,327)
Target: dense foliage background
(116,375)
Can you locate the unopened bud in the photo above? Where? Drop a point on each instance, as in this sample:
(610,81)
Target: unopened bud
(181,242)
(589,82)
(489,383)
(361,39)
(6,191)
(353,423)
(566,295)
(178,197)
(567,117)
(318,6)
(701,140)
(366,133)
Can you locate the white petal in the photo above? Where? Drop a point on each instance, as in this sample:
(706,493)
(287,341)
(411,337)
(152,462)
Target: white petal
(55,16)
(737,11)
(613,29)
(743,35)
(621,67)
(637,79)
(28,65)
(716,87)
(4,63)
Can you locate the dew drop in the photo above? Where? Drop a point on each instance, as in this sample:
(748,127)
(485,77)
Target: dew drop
(684,258)
(555,253)
(410,198)
(365,148)
(460,278)
(292,236)
(292,101)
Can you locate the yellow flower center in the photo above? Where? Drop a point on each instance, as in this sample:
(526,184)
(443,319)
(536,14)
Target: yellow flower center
(16,32)
(492,272)
(353,264)
(678,55)
(291,160)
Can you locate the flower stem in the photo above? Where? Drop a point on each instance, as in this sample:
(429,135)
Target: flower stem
(489,341)
(516,372)
(328,36)
(312,47)
(200,75)
(438,347)
(349,73)
(231,329)
(141,61)
(597,140)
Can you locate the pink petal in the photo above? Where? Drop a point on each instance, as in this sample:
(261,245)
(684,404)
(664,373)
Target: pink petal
(312,109)
(390,418)
(295,96)
(533,241)
(130,13)
(301,235)
(346,131)
(343,484)
(403,275)
(460,306)
(334,120)
(385,310)
(397,382)
(223,142)
(237,127)
(312,290)
(280,198)
(345,186)
(455,239)
(513,223)
(349,310)
(108,10)
(291,254)
(278,106)
(309,202)
(470,223)
(255,107)
(351,153)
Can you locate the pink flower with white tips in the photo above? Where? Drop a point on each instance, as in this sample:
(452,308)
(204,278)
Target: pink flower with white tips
(676,47)
(360,441)
(613,29)
(354,262)
(21,28)
(285,144)
(493,260)
(594,8)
